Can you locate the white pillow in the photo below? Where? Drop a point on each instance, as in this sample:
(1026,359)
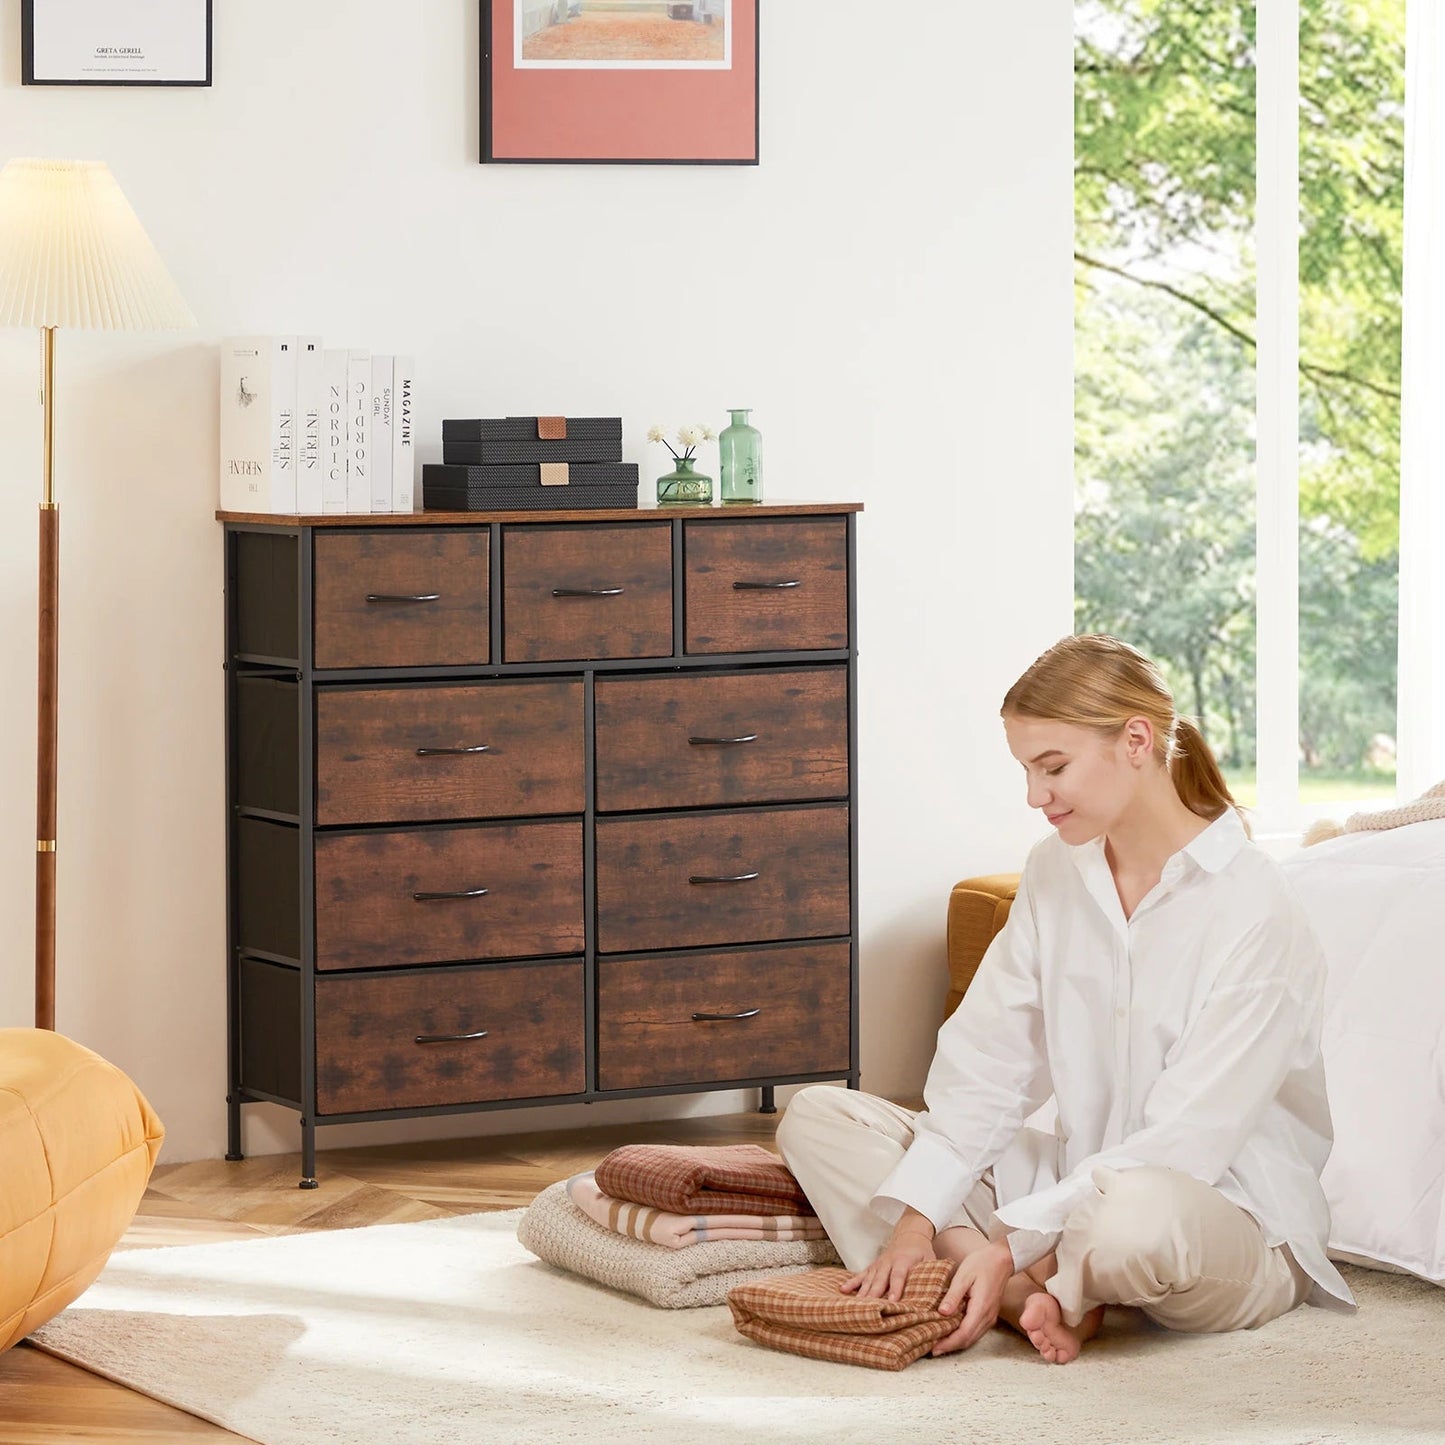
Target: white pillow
(1377,901)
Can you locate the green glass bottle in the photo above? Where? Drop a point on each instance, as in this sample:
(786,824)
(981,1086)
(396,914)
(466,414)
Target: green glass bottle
(684,487)
(740,451)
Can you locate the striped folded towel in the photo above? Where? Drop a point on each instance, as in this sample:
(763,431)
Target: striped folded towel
(712,1179)
(679,1231)
(805,1314)
(560,1234)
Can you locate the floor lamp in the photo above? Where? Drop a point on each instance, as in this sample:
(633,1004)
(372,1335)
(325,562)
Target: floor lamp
(72,253)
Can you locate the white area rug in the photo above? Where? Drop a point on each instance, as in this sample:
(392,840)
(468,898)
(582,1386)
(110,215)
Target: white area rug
(450,1332)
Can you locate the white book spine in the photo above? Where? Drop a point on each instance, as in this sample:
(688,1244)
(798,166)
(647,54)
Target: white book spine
(358,431)
(310,401)
(245,462)
(333,433)
(381,379)
(283,424)
(403,464)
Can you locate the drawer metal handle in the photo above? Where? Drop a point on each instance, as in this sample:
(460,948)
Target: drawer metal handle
(443,897)
(730,878)
(452,752)
(587,591)
(400,597)
(450,1038)
(764,586)
(723,742)
(747,1013)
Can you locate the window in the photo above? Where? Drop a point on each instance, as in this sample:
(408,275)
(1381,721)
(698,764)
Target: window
(1239,203)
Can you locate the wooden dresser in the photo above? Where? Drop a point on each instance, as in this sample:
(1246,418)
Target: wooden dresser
(529,808)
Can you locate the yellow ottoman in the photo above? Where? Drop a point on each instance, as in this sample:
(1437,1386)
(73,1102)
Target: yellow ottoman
(77,1143)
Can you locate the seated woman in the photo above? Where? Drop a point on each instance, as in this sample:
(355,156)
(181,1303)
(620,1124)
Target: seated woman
(1159,980)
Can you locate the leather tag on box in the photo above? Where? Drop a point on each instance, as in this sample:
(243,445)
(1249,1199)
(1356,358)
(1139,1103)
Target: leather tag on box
(552,428)
(555,474)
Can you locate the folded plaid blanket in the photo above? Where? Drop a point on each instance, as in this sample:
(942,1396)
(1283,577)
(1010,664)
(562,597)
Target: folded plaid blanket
(556,1231)
(681,1231)
(806,1314)
(713,1179)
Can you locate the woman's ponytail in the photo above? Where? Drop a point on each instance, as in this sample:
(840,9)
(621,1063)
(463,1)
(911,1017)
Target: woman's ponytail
(1195,773)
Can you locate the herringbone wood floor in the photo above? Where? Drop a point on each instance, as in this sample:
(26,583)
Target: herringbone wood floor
(44,1401)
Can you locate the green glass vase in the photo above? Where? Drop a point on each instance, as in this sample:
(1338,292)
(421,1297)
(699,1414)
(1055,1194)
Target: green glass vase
(740,453)
(684,487)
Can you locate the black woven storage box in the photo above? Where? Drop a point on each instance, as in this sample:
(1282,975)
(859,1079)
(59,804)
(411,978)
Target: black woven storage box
(520,488)
(489,441)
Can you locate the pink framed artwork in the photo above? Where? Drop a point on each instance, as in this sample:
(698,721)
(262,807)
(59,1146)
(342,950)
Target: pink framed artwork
(671,82)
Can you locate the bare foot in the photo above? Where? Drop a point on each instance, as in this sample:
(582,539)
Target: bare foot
(1042,1320)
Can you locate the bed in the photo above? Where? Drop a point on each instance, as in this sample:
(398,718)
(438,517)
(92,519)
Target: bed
(1377,900)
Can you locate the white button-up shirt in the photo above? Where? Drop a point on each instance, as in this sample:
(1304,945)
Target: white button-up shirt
(1186,1036)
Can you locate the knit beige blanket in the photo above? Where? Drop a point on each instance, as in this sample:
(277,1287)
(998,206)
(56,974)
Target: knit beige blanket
(1427,807)
(559,1233)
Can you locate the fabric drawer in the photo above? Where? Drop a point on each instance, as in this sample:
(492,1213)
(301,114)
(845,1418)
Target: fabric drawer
(431,895)
(419,753)
(402,598)
(693,879)
(455,1036)
(711,1017)
(754,586)
(587,592)
(713,739)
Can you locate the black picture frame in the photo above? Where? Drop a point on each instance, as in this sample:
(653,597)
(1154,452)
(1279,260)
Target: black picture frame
(117,14)
(745,14)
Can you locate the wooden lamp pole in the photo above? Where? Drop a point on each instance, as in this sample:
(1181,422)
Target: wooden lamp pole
(49,698)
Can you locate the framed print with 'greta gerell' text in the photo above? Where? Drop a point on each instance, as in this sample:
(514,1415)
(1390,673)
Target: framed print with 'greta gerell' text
(115,42)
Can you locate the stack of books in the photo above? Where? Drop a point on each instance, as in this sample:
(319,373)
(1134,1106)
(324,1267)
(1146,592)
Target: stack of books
(307,431)
(529,464)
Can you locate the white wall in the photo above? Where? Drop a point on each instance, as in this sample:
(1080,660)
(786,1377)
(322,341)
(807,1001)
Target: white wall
(889,290)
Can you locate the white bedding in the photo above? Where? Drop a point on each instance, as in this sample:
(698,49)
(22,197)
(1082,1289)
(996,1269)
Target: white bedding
(1377,901)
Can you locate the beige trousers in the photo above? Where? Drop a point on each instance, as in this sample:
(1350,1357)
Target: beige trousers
(1155,1239)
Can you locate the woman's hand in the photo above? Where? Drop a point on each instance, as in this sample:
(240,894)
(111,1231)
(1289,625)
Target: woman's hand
(910,1244)
(978,1281)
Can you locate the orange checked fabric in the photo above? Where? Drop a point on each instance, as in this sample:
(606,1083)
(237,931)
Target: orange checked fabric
(713,1179)
(806,1314)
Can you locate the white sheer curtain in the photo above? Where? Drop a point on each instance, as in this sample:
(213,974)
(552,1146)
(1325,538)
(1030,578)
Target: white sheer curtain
(1421,758)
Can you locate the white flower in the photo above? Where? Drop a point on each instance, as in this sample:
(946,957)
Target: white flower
(708,434)
(656,434)
(689,436)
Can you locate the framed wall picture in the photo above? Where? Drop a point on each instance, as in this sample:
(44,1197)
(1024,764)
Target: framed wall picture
(620,81)
(115,42)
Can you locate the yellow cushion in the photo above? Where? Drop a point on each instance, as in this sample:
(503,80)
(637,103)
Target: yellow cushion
(77,1144)
(977,909)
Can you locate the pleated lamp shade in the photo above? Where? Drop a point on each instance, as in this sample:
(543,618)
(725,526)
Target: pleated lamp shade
(72,253)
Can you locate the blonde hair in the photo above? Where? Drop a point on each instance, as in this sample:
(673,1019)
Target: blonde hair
(1098,682)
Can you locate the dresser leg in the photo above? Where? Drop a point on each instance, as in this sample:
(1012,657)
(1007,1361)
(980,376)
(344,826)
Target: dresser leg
(233,1129)
(308,1155)
(765,1104)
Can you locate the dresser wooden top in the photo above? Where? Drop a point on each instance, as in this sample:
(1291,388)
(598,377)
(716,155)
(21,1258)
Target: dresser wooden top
(590,514)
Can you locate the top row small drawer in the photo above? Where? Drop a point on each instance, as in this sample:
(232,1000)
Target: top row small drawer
(393,597)
(766,586)
(402,599)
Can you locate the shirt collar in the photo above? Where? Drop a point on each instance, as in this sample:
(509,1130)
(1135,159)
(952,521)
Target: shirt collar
(1213,849)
